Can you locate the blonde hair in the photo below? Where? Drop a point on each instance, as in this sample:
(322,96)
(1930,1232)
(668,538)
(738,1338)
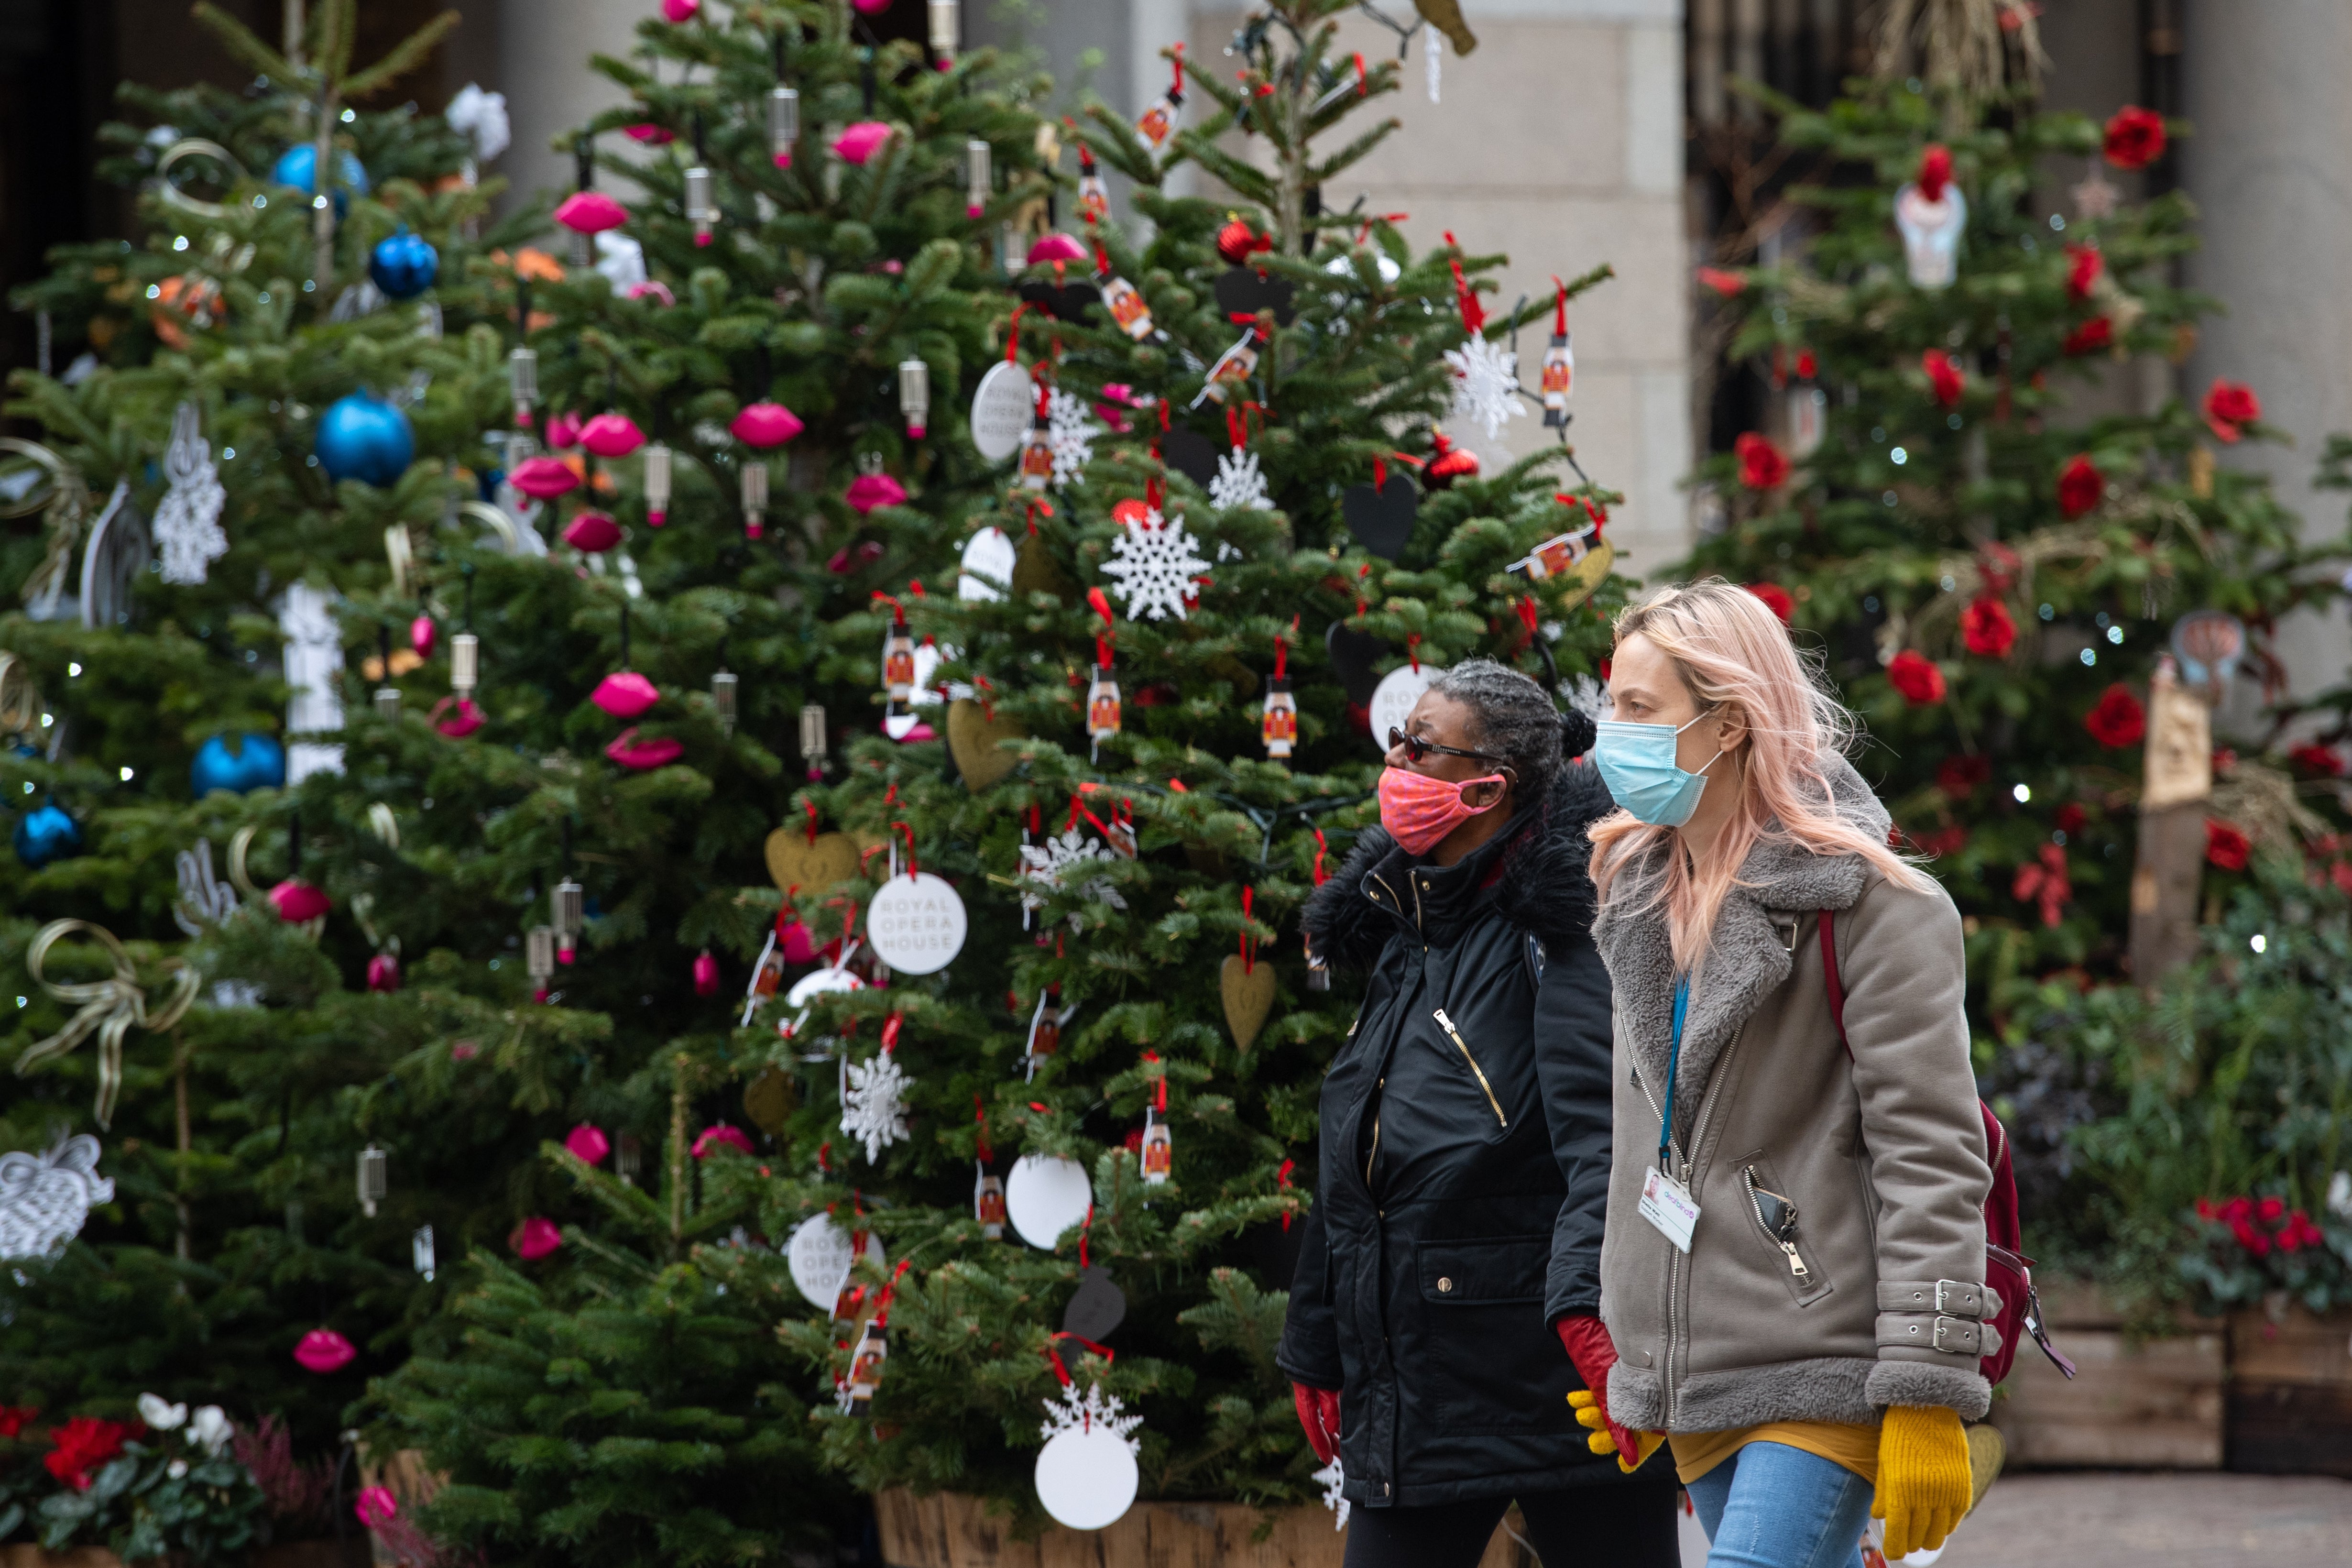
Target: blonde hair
(1729,647)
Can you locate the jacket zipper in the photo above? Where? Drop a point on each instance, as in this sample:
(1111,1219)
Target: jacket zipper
(1447,1025)
(1675,1253)
(1796,1261)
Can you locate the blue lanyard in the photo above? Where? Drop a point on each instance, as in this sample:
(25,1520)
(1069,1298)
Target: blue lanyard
(1674,1057)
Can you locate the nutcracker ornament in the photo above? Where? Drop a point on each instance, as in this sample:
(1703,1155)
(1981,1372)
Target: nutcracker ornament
(1123,301)
(1157,123)
(1559,363)
(1102,687)
(897,661)
(1278,728)
(1037,463)
(1093,196)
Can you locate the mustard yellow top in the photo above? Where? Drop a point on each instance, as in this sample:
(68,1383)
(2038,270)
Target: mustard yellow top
(1853,1447)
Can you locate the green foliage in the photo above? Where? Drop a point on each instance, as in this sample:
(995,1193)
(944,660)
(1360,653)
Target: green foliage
(154,1493)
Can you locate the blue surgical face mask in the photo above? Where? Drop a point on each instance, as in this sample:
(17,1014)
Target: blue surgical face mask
(1637,762)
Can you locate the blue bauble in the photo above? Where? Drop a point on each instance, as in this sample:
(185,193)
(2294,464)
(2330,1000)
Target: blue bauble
(404,265)
(45,836)
(256,763)
(364,438)
(299,166)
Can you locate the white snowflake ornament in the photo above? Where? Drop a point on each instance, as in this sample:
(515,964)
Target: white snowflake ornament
(1087,1475)
(46,1198)
(1333,1478)
(1058,864)
(873,1103)
(1153,562)
(187,520)
(1485,384)
(1070,432)
(1239,485)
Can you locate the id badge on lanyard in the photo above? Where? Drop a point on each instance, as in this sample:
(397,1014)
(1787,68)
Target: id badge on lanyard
(1666,1202)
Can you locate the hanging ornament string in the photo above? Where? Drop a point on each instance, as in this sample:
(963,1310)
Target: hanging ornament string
(1320,875)
(1033,506)
(1249,946)
(1473,314)
(110,1007)
(810,806)
(1559,307)
(980,1119)
(1085,1230)
(898,612)
(1160,1082)
(1104,638)
(889,1294)
(1413,651)
(1062,1371)
(1282,1181)
(1013,334)
(909,833)
(1155,488)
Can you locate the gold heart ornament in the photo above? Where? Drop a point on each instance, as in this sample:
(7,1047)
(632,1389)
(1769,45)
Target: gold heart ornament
(1248,991)
(976,741)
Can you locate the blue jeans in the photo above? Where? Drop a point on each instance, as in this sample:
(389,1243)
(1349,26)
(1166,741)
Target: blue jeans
(1771,1506)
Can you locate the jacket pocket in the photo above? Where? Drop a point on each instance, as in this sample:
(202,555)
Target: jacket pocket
(1490,1362)
(1777,1222)
(1502,1122)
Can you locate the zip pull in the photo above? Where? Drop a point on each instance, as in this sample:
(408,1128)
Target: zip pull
(1796,1264)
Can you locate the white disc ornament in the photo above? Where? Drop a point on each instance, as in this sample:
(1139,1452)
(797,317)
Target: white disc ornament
(1001,411)
(1086,1476)
(817,982)
(915,924)
(46,1198)
(1045,1196)
(988,558)
(819,1257)
(1392,699)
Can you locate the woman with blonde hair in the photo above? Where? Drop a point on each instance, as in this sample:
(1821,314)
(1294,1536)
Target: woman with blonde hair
(1792,1271)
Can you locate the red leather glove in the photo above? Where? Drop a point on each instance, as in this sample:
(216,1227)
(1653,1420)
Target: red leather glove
(1318,1413)
(1587,1345)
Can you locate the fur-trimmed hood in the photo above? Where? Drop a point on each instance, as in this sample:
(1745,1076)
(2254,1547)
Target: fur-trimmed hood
(1748,954)
(1546,887)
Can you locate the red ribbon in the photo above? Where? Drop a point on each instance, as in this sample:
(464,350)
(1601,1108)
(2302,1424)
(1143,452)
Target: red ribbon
(1559,308)
(1103,638)
(1013,335)
(890,1026)
(1176,92)
(1282,1177)
(1160,1097)
(811,806)
(882,1307)
(910,843)
(1320,875)
(987,697)
(1473,314)
(1412,651)
(1249,948)
(979,1116)
(897,611)
(1083,1230)
(1055,1356)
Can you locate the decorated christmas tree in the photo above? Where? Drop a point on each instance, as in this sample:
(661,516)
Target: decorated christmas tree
(274,396)
(1056,1075)
(2034,607)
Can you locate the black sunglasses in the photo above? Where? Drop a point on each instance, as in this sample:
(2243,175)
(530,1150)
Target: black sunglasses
(1417,748)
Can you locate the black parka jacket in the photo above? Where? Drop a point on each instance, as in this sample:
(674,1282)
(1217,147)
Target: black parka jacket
(1464,1162)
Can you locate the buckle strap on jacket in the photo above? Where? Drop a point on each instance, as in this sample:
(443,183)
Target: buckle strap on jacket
(1927,1331)
(1954,1298)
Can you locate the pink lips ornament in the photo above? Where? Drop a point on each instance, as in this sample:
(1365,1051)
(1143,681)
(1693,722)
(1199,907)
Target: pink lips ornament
(765,425)
(1057,248)
(867,491)
(625,694)
(543,479)
(651,135)
(860,141)
(463,717)
(681,11)
(652,289)
(422,635)
(323,1350)
(563,429)
(588,1144)
(593,532)
(706,973)
(644,755)
(720,1134)
(590,212)
(297,901)
(384,972)
(612,436)
(534,1238)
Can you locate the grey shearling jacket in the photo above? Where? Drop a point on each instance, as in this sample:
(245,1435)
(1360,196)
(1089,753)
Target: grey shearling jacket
(1884,1155)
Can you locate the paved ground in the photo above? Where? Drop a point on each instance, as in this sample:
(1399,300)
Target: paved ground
(2107,1519)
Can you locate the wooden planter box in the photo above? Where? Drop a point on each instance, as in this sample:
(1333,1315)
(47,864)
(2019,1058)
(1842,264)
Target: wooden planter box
(2290,1405)
(2155,1404)
(352,1551)
(949,1529)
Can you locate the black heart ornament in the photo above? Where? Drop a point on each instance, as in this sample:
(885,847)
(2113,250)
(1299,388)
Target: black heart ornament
(1191,454)
(1063,302)
(1244,291)
(1381,520)
(1352,653)
(1097,1308)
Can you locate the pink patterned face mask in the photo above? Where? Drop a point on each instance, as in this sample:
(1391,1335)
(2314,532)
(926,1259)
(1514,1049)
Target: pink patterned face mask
(1418,810)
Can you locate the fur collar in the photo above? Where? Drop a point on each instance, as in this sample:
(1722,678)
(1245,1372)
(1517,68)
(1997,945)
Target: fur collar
(1749,956)
(1545,889)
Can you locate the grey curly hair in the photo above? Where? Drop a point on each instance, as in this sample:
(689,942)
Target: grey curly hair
(1513,720)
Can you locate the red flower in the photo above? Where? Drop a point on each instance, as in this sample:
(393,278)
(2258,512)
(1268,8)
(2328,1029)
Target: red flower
(2229,406)
(2134,138)
(2083,264)
(2069,817)
(2090,337)
(83,1444)
(1805,364)
(2253,1240)
(1776,599)
(2080,486)
(2238,1210)
(1724,283)
(2046,882)
(15,1418)
(1943,377)
(1958,776)
(2291,1237)
(1986,627)
(1762,466)
(2117,718)
(1934,171)
(2226,845)
(2271,1210)
(1917,677)
(2205,1209)
(2325,761)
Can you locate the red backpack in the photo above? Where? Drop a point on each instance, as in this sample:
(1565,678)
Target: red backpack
(2007,1271)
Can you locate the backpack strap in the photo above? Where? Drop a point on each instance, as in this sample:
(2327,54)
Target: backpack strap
(1830,979)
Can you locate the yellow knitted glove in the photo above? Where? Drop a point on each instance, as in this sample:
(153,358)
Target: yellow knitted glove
(1923,1486)
(1590,1413)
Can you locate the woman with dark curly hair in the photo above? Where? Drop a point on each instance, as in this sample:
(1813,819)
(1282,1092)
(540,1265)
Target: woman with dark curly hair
(1446,1295)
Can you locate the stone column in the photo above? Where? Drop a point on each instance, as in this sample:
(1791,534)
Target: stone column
(2263,86)
(543,47)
